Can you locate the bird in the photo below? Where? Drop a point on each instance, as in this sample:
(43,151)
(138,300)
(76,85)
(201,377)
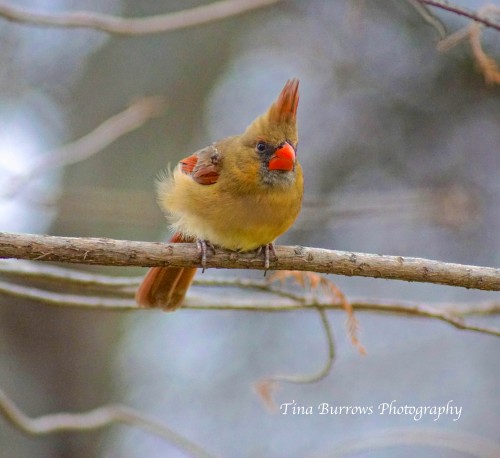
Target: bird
(240,193)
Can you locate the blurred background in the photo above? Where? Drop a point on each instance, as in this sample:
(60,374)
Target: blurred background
(400,145)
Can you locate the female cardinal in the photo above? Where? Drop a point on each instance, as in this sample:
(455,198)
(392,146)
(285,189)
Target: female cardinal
(240,193)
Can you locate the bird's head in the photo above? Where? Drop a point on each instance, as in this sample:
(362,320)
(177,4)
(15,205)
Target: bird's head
(273,138)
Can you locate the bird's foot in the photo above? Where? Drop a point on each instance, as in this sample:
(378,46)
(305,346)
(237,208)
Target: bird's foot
(203,246)
(267,249)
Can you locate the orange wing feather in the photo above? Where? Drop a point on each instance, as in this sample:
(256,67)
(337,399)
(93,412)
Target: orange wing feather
(203,166)
(188,164)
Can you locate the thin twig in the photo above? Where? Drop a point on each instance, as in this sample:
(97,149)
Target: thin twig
(452,40)
(462,12)
(128,253)
(428,17)
(94,419)
(266,387)
(66,300)
(316,283)
(284,300)
(324,371)
(46,275)
(134,26)
(473,32)
(110,130)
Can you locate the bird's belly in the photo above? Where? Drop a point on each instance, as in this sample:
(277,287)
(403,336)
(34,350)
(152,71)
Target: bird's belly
(244,223)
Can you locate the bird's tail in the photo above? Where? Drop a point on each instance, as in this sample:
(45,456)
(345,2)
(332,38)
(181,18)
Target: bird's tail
(165,287)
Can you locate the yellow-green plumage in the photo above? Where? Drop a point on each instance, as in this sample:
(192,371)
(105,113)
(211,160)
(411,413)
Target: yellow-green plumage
(240,193)
(240,211)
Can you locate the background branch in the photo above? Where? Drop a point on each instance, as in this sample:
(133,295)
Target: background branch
(447,6)
(473,32)
(178,20)
(429,17)
(322,372)
(106,133)
(95,291)
(93,419)
(100,251)
(134,26)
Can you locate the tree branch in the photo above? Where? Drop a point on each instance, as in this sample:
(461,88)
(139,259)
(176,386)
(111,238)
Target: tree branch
(93,419)
(447,313)
(100,251)
(106,133)
(444,5)
(96,291)
(134,26)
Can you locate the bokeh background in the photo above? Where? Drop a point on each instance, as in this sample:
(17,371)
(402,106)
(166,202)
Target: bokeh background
(401,150)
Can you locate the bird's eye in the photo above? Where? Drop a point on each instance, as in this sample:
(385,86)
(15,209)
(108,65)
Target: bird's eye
(261,147)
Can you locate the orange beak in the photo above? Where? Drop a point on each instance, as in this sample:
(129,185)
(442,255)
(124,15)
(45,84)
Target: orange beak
(283,158)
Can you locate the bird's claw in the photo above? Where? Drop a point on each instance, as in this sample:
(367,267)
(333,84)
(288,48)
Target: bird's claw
(268,249)
(203,246)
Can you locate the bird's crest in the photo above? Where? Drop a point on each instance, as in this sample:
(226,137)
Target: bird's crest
(278,123)
(284,109)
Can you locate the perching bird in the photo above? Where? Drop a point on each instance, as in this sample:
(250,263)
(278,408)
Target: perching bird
(240,193)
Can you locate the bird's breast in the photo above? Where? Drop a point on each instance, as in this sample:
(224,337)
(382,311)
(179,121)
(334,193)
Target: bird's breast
(231,217)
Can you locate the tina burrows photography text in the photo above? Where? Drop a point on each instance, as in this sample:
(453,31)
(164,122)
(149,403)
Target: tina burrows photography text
(417,412)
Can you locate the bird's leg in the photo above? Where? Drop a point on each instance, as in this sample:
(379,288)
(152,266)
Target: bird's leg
(268,249)
(203,245)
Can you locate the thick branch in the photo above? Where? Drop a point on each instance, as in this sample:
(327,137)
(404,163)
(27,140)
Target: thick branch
(134,26)
(128,253)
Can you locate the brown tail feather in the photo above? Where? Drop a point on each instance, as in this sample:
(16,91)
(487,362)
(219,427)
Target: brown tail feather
(165,287)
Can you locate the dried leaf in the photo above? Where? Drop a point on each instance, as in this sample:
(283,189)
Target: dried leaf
(266,389)
(486,64)
(314,281)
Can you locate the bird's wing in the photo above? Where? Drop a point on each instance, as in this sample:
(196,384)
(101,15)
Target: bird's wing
(203,166)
